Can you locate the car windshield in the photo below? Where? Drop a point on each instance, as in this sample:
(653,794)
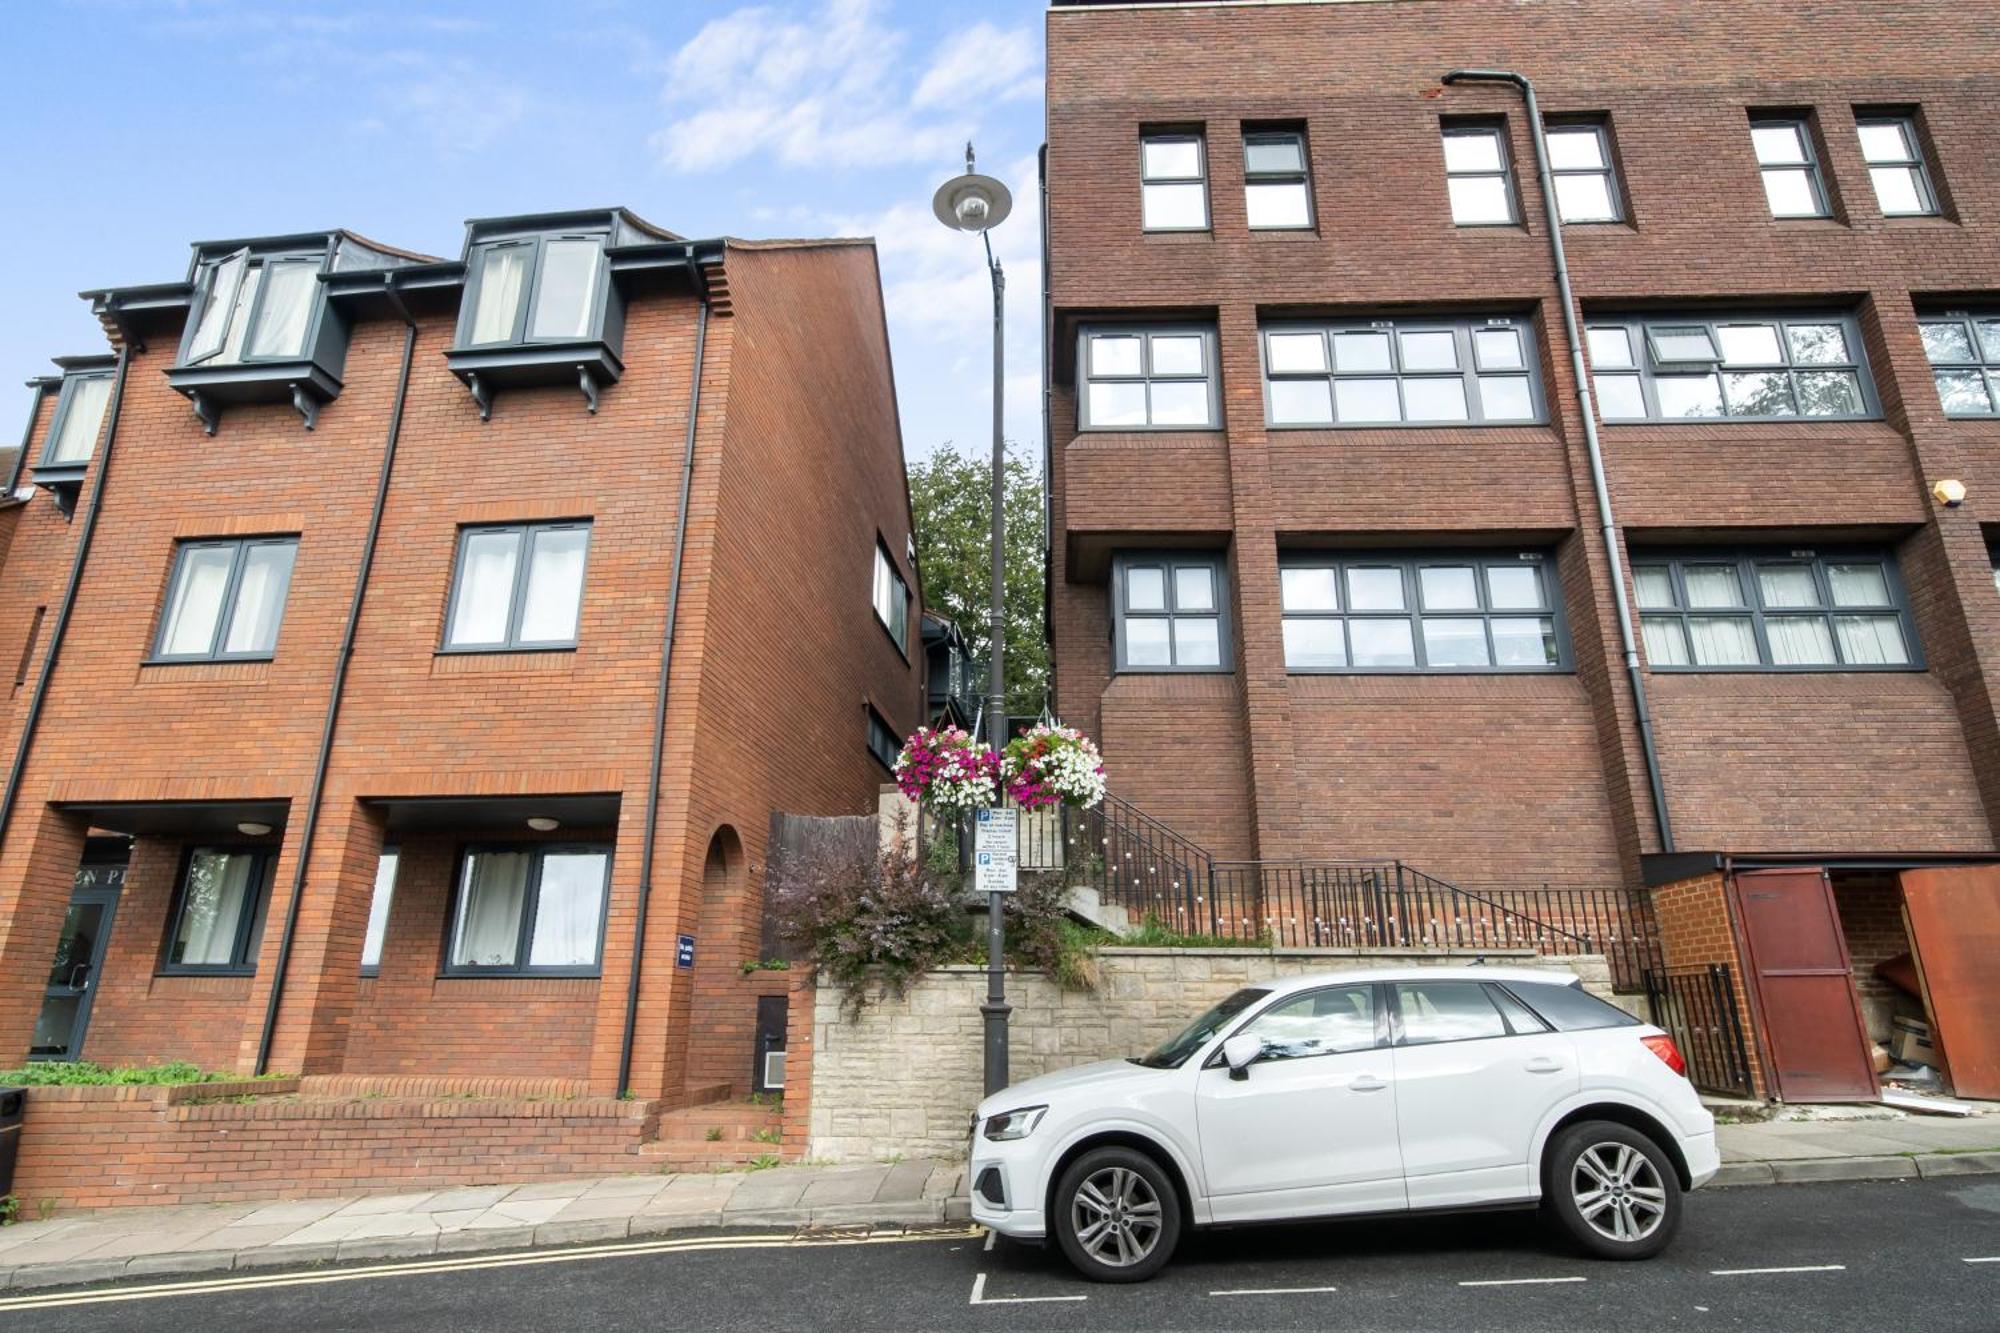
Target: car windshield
(1170,1055)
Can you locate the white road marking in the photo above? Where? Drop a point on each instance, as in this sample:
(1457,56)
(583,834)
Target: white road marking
(1523,1281)
(1984,1259)
(979,1296)
(431,1267)
(991,1236)
(1273,1291)
(1801,1268)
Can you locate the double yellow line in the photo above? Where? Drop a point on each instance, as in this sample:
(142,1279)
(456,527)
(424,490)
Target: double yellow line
(472,1263)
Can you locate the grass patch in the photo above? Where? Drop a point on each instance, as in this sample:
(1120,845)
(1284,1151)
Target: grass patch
(83,1074)
(1152,933)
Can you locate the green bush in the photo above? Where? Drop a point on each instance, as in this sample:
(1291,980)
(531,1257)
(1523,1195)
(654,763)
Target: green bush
(81,1073)
(1152,933)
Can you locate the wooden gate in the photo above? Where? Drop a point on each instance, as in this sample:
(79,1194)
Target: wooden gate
(1802,986)
(1953,916)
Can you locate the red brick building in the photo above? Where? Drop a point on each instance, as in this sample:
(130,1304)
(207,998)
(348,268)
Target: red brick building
(395,641)
(1330,574)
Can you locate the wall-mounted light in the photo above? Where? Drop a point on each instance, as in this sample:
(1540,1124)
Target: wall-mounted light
(250,828)
(1950,492)
(543,824)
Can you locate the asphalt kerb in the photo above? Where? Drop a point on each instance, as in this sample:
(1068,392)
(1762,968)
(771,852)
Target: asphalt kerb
(915,1213)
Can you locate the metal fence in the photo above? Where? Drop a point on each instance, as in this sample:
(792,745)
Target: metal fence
(1698,1005)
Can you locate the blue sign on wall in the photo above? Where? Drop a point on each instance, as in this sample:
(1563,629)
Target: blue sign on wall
(684,951)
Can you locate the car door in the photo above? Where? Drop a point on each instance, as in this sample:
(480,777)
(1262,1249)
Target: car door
(1309,1128)
(1476,1072)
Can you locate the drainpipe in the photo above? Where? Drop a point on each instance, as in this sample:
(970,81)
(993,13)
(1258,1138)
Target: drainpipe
(1048,448)
(12,790)
(27,438)
(660,694)
(1609,525)
(340,665)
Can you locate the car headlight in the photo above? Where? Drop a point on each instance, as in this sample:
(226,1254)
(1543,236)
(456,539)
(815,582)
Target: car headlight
(1014,1124)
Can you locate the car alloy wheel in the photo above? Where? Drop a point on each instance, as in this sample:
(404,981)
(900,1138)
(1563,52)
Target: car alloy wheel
(1117,1217)
(1618,1193)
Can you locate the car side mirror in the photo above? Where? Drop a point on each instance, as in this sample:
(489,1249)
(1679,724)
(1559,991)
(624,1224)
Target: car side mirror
(1240,1052)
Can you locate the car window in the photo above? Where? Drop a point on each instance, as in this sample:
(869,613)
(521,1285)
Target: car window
(1320,1022)
(1571,1008)
(1446,1011)
(1520,1018)
(1169,1055)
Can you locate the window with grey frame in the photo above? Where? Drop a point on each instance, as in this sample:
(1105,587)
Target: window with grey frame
(1479,174)
(1894,153)
(1173,180)
(1788,162)
(517,587)
(1277,180)
(1139,377)
(253,307)
(1580,162)
(534,289)
(226,600)
(892,598)
(882,741)
(529,910)
(78,422)
(1383,372)
(1373,612)
(1795,610)
(377,930)
(1714,367)
(1169,612)
(1964,351)
(217,912)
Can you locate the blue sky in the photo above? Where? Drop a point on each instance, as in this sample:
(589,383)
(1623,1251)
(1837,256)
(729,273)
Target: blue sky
(140,126)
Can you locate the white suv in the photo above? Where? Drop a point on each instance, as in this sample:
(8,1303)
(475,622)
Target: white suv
(1348,1093)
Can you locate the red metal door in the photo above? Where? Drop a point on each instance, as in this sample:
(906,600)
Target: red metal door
(1803,986)
(1953,915)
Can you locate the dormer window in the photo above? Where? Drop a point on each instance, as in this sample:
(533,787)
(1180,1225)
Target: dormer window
(253,308)
(536,290)
(79,421)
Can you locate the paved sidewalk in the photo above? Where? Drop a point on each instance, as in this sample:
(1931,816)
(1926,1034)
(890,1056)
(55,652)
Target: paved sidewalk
(199,1238)
(150,1242)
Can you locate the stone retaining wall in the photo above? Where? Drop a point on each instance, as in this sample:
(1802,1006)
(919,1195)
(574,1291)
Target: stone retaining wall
(903,1075)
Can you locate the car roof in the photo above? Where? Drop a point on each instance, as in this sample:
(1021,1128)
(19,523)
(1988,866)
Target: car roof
(1543,976)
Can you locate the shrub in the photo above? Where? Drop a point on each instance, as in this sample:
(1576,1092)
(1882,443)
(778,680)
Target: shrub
(81,1073)
(1152,933)
(1041,935)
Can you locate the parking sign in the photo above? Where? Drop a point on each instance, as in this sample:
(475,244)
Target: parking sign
(996,850)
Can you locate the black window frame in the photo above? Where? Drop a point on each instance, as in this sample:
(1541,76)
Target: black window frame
(1466,127)
(249,930)
(530,908)
(1986,365)
(517,604)
(1464,330)
(1169,560)
(1803,125)
(1198,136)
(1410,565)
(1302,177)
(1648,367)
(524,317)
(46,464)
(205,294)
(1746,560)
(1598,126)
(1917,161)
(374,969)
(1210,377)
(884,560)
(882,735)
(240,553)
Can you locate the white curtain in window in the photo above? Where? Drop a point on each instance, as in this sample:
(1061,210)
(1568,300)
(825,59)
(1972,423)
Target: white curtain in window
(260,598)
(503,273)
(566,289)
(1654,586)
(1666,644)
(1712,585)
(197,600)
(219,300)
(217,894)
(288,294)
(378,910)
(1858,585)
(555,585)
(568,909)
(83,420)
(1787,585)
(487,932)
(1871,640)
(1799,640)
(1722,640)
(485,588)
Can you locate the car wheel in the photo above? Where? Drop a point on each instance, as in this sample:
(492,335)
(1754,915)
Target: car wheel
(1613,1190)
(1117,1215)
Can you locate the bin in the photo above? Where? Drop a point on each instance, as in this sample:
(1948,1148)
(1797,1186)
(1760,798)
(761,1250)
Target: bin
(13,1103)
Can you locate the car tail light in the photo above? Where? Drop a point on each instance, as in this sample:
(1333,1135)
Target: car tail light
(1663,1046)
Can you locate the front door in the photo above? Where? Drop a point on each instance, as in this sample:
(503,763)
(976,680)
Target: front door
(1311,1127)
(1796,958)
(79,959)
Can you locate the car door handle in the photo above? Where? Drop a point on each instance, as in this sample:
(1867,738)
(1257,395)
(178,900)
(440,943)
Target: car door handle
(1544,1064)
(1366,1083)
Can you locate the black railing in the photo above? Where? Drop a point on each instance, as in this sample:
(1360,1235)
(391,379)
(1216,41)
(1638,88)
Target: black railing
(1698,1005)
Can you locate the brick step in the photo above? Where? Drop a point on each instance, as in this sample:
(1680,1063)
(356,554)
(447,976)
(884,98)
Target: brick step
(701,1155)
(694,1124)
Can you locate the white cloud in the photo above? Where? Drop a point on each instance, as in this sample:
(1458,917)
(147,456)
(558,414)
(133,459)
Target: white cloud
(980,63)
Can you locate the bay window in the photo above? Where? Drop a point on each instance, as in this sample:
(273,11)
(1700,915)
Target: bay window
(1169,611)
(1139,377)
(529,911)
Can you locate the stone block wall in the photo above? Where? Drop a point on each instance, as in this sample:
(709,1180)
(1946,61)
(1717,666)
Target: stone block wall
(903,1074)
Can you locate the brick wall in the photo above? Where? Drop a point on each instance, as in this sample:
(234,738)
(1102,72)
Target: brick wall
(1695,928)
(1871,921)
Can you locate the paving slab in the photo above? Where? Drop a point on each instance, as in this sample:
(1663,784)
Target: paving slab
(387,1203)
(470,1196)
(550,1189)
(615,1187)
(518,1213)
(845,1187)
(766,1195)
(905,1180)
(590,1206)
(298,1212)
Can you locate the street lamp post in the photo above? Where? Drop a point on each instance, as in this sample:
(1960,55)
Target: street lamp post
(976,203)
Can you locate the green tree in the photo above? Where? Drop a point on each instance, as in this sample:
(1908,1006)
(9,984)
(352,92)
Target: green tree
(952,494)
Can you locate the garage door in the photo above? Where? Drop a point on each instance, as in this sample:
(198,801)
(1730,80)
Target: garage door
(1953,914)
(1796,960)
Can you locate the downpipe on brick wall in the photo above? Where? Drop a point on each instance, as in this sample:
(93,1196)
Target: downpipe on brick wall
(1627,640)
(310,829)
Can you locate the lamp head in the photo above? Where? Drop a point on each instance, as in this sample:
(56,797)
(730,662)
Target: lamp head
(972,203)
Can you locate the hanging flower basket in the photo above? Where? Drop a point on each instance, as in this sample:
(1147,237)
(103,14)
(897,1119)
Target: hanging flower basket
(1053,765)
(947,771)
